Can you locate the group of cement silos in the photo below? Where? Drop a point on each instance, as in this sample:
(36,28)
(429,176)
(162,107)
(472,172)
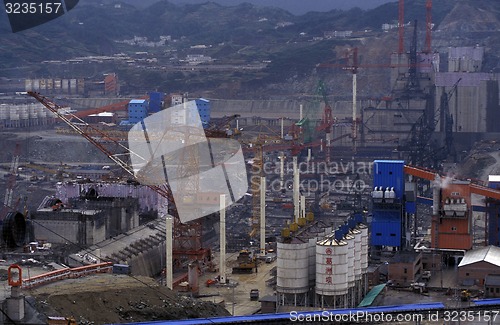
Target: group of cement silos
(322,267)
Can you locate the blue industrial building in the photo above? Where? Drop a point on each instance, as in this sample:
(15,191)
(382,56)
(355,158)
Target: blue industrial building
(155,101)
(388,227)
(204,109)
(137,110)
(493,209)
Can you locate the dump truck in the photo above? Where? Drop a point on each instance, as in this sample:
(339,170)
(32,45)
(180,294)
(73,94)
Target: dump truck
(246,262)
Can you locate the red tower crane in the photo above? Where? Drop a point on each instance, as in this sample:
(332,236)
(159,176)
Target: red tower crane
(11,183)
(401,22)
(428,26)
(327,121)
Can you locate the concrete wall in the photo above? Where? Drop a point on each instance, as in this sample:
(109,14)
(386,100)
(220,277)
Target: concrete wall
(149,262)
(475,103)
(56,231)
(61,227)
(122,214)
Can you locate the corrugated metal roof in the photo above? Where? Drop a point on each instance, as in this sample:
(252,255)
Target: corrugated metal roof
(490,254)
(370,297)
(137,101)
(448,79)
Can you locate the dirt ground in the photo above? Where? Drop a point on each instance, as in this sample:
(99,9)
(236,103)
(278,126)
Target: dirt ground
(111,298)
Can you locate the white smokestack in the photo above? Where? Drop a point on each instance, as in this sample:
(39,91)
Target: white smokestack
(435,195)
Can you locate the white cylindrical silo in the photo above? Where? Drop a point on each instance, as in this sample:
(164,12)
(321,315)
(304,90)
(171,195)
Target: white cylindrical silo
(32,111)
(65,85)
(57,83)
(40,110)
(331,267)
(356,233)
(311,254)
(23,112)
(28,84)
(14,116)
(364,247)
(292,267)
(350,258)
(72,86)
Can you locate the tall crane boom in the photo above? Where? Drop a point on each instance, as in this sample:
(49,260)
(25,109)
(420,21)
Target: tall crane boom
(428,26)
(12,177)
(401,23)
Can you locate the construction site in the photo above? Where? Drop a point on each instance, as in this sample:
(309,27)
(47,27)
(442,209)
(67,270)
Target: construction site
(387,205)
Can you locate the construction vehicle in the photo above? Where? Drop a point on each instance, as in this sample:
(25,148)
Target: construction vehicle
(254,294)
(465,295)
(246,263)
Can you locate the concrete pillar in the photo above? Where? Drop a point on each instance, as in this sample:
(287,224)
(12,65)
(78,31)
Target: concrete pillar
(263,215)
(168,248)
(222,263)
(282,171)
(302,206)
(193,278)
(15,304)
(296,192)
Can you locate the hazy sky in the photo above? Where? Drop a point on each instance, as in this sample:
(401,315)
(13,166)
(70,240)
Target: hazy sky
(299,7)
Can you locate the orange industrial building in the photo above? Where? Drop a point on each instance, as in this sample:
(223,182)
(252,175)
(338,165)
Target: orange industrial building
(452,227)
